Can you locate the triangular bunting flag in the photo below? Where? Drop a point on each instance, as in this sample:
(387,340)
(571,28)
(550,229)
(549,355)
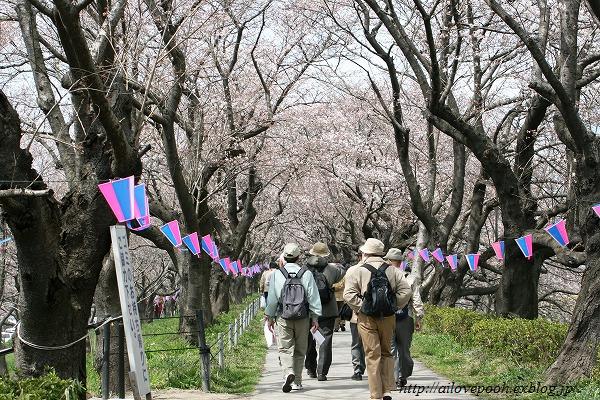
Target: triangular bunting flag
(438,255)
(171,231)
(596,209)
(207,245)
(473,261)
(223,265)
(526,245)
(141,210)
(424,253)
(403,265)
(120,197)
(499,249)
(192,243)
(558,231)
(453,261)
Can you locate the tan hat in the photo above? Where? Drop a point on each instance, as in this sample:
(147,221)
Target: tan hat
(319,249)
(394,254)
(372,246)
(291,250)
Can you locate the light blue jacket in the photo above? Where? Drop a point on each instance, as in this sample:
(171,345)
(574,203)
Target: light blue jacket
(276,282)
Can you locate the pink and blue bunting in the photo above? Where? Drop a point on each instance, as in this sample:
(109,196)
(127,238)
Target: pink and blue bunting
(172,232)
(558,231)
(438,255)
(192,243)
(208,245)
(526,245)
(473,261)
(235,268)
(223,264)
(596,208)
(141,209)
(499,249)
(120,197)
(452,261)
(424,253)
(403,265)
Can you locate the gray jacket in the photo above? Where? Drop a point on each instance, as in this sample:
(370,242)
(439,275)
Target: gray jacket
(333,275)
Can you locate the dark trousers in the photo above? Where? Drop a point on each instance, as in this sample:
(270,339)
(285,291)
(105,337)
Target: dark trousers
(357,350)
(401,347)
(325,356)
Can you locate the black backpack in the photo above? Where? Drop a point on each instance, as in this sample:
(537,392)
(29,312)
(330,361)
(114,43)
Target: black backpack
(379,299)
(323,286)
(292,302)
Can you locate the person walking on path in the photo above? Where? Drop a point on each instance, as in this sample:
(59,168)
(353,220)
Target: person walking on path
(407,320)
(325,276)
(293,306)
(338,290)
(265,279)
(375,292)
(357,350)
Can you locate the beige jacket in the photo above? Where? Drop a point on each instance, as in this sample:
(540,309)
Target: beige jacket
(415,309)
(264,280)
(357,279)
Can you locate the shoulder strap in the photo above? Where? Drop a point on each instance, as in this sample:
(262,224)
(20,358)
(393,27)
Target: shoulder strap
(284,272)
(301,272)
(383,267)
(370,268)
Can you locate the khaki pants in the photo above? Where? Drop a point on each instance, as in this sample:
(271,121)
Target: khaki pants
(292,342)
(376,335)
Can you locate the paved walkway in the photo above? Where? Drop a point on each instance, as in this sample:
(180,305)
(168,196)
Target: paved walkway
(339,386)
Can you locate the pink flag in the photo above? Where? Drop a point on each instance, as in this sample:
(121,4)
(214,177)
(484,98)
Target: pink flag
(192,243)
(526,245)
(499,249)
(558,231)
(424,253)
(438,255)
(120,197)
(453,261)
(141,210)
(403,265)
(596,209)
(473,261)
(171,231)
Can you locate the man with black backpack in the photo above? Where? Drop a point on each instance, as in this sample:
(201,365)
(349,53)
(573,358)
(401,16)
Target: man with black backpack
(293,306)
(375,292)
(325,276)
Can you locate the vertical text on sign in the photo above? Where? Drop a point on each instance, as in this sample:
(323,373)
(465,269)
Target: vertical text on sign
(129,309)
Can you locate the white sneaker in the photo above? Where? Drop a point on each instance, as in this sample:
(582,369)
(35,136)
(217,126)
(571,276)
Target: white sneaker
(297,386)
(287,383)
(387,396)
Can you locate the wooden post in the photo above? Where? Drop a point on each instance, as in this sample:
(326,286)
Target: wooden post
(236,332)
(221,351)
(106,361)
(231,328)
(204,352)
(121,363)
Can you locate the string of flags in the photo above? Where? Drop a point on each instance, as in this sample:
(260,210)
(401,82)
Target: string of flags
(557,231)
(129,204)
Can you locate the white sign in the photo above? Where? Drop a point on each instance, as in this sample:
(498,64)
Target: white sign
(131,318)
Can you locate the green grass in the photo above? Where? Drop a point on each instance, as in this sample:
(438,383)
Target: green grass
(475,366)
(181,369)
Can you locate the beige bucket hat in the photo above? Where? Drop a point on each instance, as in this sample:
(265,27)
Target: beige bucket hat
(319,249)
(394,254)
(373,246)
(291,250)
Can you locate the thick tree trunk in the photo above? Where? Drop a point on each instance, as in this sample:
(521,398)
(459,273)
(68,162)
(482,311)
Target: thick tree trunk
(193,296)
(517,295)
(220,292)
(579,354)
(445,290)
(108,304)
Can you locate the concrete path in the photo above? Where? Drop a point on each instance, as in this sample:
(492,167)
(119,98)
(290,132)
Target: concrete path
(339,386)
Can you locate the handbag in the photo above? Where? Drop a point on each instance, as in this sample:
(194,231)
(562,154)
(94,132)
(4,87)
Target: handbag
(345,312)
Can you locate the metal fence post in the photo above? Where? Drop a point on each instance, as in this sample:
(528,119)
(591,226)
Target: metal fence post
(105,360)
(231,328)
(121,363)
(221,351)
(204,352)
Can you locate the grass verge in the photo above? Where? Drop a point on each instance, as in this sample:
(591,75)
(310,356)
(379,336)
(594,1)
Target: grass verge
(180,369)
(465,362)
